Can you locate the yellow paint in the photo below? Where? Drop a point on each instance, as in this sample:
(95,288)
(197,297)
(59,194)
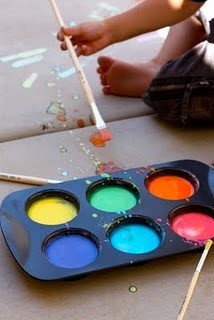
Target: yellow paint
(52,211)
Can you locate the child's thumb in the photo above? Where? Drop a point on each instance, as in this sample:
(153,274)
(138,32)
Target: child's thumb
(70,31)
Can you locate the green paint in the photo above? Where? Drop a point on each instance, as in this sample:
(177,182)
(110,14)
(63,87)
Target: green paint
(133,289)
(113,199)
(30,80)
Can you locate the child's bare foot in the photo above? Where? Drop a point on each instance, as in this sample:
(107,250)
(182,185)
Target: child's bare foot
(125,79)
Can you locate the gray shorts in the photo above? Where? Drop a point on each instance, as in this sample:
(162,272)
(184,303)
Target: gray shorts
(183,90)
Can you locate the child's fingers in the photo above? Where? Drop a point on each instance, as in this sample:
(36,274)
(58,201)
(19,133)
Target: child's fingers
(64,32)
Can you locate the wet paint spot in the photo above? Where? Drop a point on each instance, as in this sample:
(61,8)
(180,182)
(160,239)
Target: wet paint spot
(72,23)
(25,62)
(87,181)
(63,150)
(80,123)
(97,140)
(56,69)
(94,215)
(133,289)
(61,118)
(70,71)
(23,55)
(30,80)
(91,120)
(51,84)
(108,167)
(56,108)
(75,97)
(64,173)
(103,11)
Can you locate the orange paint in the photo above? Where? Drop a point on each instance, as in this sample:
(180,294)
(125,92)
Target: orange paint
(171,187)
(100,137)
(80,123)
(61,117)
(91,120)
(97,140)
(105,134)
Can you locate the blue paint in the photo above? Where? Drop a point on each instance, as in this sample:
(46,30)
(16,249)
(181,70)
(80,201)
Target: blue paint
(135,238)
(25,62)
(71,251)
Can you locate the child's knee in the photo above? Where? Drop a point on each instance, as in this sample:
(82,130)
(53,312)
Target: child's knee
(185,104)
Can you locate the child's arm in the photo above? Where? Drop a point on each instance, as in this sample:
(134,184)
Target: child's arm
(149,15)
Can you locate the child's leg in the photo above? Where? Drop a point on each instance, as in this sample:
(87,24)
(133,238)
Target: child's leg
(183,90)
(124,79)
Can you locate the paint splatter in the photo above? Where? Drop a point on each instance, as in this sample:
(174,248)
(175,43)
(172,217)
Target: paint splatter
(103,11)
(133,289)
(107,168)
(23,55)
(30,80)
(72,23)
(64,173)
(56,70)
(101,166)
(51,84)
(67,73)
(25,62)
(56,108)
(97,140)
(87,181)
(61,118)
(159,220)
(94,215)
(80,123)
(75,97)
(91,120)
(63,150)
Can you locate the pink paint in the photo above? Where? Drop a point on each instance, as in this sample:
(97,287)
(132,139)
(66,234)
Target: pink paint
(194,226)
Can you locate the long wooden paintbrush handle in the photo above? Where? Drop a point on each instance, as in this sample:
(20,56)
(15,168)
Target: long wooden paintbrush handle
(26,179)
(72,53)
(194,280)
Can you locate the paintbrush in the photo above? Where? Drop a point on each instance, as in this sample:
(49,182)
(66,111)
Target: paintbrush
(194,280)
(26,179)
(99,122)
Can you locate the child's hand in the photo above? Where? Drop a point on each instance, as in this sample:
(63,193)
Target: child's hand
(87,38)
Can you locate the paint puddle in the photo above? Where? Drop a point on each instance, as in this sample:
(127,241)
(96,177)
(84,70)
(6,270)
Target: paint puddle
(71,250)
(99,138)
(52,210)
(110,197)
(171,185)
(193,223)
(135,235)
